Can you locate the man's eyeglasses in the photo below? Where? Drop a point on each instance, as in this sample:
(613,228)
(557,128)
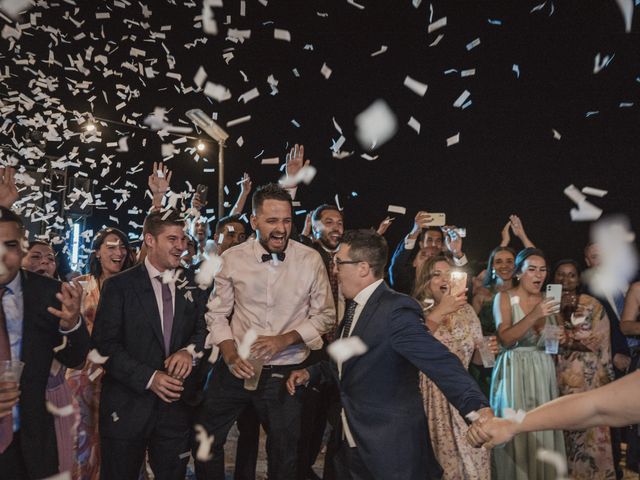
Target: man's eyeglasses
(346,262)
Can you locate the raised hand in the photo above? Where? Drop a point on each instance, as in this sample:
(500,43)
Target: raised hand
(306,230)
(384,225)
(159,179)
(451,304)
(453,241)
(70,297)
(516,226)
(421,220)
(245,185)
(295,160)
(8,189)
(546,307)
(505,237)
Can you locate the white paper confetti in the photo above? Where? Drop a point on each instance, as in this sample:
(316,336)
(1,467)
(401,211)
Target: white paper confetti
(382,50)
(217,92)
(345,348)
(205,444)
(280,34)
(325,71)
(461,99)
(95,357)
(208,270)
(200,77)
(442,22)
(556,134)
(415,124)
(60,411)
(238,121)
(244,349)
(396,209)
(62,346)
(626,8)
(516,416)
(453,139)
(415,86)
(558,461)
(270,161)
(249,95)
(375,125)
(596,192)
(473,44)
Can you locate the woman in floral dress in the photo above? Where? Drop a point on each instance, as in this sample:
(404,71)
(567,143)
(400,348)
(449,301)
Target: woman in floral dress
(585,364)
(455,324)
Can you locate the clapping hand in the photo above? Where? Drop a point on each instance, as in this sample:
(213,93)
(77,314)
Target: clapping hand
(70,297)
(8,190)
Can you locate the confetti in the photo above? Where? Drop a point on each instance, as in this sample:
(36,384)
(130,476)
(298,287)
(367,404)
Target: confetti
(382,50)
(415,124)
(375,125)
(217,92)
(437,40)
(95,357)
(280,34)
(244,349)
(200,77)
(60,411)
(473,44)
(325,71)
(556,134)
(558,461)
(626,8)
(305,175)
(596,192)
(415,86)
(14,7)
(208,270)
(453,139)
(270,161)
(516,416)
(238,121)
(345,348)
(396,209)
(442,22)
(250,95)
(357,5)
(205,444)
(516,69)
(599,64)
(461,99)
(62,346)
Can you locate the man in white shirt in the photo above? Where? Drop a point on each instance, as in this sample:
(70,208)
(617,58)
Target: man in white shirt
(279,288)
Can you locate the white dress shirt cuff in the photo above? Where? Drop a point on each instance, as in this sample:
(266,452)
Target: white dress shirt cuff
(151,380)
(309,334)
(76,327)
(409,243)
(460,262)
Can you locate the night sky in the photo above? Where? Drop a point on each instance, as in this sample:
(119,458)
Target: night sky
(534,73)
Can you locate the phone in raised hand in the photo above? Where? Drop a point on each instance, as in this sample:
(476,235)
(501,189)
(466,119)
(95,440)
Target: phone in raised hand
(554,291)
(457,283)
(437,220)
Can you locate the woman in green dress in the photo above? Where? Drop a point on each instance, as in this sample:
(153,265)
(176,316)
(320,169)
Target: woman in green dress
(524,376)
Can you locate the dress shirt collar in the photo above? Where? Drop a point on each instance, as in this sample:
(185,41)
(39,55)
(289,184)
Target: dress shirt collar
(15,286)
(259,250)
(153,271)
(363,296)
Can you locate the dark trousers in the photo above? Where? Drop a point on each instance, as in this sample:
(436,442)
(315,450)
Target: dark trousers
(12,465)
(248,442)
(630,434)
(168,442)
(349,464)
(278,412)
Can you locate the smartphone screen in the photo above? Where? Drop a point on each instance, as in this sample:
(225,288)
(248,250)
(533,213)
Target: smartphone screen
(457,282)
(202,191)
(554,290)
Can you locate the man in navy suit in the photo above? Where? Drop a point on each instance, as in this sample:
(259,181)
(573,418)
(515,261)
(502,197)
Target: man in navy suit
(147,318)
(384,427)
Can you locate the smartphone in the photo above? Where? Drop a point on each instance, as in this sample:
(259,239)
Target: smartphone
(554,290)
(437,220)
(457,283)
(202,191)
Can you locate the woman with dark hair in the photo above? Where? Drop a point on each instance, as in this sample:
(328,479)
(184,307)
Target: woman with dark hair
(498,278)
(524,376)
(454,323)
(41,259)
(584,364)
(110,255)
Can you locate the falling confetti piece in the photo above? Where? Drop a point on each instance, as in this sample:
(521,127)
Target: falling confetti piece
(375,125)
(280,34)
(396,209)
(453,139)
(415,86)
(596,192)
(205,444)
(415,124)
(345,348)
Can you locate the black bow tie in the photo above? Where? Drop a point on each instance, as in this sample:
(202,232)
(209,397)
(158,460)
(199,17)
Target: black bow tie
(269,256)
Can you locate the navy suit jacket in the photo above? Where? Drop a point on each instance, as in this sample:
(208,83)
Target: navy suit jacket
(127,329)
(40,335)
(380,390)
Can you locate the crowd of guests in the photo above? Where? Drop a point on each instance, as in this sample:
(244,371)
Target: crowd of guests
(163,378)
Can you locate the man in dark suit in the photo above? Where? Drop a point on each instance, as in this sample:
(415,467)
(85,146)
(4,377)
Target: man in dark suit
(36,315)
(384,426)
(145,320)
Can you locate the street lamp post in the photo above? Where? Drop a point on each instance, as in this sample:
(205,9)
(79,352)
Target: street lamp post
(215,131)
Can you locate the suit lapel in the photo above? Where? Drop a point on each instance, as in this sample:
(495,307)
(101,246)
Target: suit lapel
(178,314)
(27,317)
(365,317)
(147,298)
